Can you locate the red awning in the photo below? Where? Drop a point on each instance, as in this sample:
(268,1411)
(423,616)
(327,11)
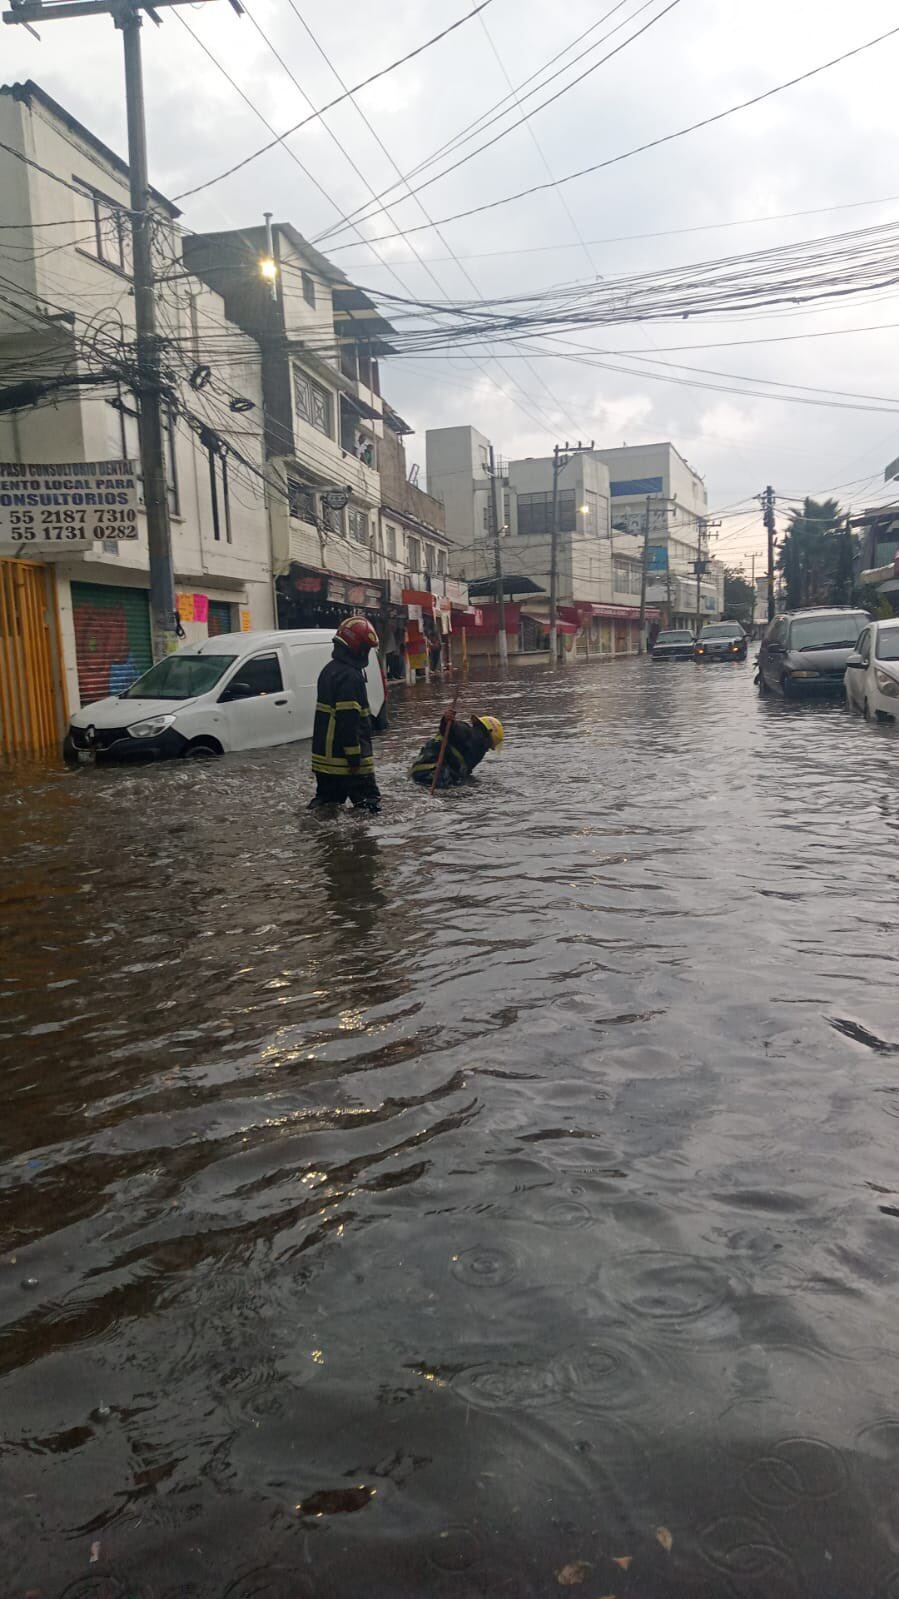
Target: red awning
(543,621)
(422,597)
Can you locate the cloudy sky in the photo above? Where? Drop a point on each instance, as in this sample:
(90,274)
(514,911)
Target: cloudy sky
(826,144)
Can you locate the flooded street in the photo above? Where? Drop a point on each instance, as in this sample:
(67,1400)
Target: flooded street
(496,1195)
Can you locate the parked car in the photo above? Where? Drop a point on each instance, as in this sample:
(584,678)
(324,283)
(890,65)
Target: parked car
(675,644)
(805,652)
(721,641)
(871,684)
(238,691)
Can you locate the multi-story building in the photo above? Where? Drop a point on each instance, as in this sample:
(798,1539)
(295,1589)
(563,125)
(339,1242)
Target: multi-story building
(320,340)
(654,482)
(598,585)
(67,316)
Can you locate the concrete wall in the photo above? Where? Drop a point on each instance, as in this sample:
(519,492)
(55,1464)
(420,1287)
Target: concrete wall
(456,460)
(397,493)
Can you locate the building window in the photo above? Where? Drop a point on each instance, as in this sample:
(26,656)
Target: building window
(391,542)
(485,457)
(109,239)
(300,501)
(124,438)
(313,403)
(413,549)
(429,557)
(535,512)
(441,562)
(358,525)
(308,288)
(626,577)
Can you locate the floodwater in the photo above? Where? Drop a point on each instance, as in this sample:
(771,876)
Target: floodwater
(494,1197)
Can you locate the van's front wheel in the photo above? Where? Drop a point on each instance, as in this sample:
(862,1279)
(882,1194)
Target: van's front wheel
(203,749)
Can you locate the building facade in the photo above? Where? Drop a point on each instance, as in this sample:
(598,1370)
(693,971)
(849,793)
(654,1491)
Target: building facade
(67,312)
(654,484)
(598,571)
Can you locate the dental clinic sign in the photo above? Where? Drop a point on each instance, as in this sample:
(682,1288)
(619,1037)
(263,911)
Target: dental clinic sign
(63,508)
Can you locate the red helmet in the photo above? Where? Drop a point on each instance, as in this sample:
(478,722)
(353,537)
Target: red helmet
(357,634)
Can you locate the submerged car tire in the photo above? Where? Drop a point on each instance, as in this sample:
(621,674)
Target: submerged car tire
(203,749)
(867,710)
(760,682)
(787,689)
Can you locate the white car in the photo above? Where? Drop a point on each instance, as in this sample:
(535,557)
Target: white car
(237,691)
(871,684)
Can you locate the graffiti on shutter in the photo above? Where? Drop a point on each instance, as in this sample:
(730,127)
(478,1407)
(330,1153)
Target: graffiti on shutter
(112,638)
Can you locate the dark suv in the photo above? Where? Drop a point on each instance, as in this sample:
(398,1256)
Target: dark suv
(805,652)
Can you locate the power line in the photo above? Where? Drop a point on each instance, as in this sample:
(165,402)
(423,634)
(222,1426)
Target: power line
(631,238)
(382,146)
(373,78)
(540,151)
(651,144)
(550,101)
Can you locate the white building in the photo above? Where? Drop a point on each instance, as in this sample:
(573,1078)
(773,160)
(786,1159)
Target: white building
(654,481)
(66,307)
(598,586)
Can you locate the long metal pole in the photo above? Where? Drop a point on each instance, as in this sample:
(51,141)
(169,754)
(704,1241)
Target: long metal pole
(159,532)
(641,639)
(554,558)
(769,527)
(496,493)
(699,559)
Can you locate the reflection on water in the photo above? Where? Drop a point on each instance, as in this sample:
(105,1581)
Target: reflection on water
(502,1188)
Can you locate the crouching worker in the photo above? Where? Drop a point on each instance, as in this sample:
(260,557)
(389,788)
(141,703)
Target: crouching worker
(466,746)
(342,758)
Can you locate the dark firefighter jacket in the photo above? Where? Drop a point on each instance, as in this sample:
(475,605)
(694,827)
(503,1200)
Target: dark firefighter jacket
(466,747)
(341,738)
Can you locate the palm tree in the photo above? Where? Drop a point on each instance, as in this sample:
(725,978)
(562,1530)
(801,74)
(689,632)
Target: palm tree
(813,554)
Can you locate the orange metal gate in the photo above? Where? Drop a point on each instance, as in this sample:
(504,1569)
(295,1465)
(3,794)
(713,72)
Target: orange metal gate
(29,651)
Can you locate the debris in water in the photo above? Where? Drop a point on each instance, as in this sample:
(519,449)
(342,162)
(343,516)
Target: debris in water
(571,1576)
(624,1561)
(665,1538)
(95,1552)
(29,1282)
(336,1501)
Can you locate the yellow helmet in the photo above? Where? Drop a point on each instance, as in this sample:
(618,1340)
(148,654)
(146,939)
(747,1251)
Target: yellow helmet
(493,727)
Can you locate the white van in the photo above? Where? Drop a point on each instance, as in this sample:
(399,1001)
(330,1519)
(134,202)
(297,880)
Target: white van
(239,691)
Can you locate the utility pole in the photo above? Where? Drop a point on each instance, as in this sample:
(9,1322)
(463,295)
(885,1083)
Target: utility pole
(496,496)
(700,563)
(641,636)
(561,457)
(768,519)
(126,15)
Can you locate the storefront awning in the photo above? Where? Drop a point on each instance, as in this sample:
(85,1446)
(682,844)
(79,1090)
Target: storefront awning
(543,621)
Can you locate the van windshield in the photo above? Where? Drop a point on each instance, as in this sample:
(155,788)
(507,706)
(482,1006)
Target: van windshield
(179,677)
(838,631)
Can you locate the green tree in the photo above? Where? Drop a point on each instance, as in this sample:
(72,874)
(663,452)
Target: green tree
(739,596)
(816,556)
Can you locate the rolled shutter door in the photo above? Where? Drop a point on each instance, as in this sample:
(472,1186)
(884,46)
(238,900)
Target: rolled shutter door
(219,619)
(112,638)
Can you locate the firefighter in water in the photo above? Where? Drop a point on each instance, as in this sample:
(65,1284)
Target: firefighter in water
(342,757)
(466,746)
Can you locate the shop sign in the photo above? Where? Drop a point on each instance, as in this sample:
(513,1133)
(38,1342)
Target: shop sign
(308,585)
(246,622)
(337,591)
(66,507)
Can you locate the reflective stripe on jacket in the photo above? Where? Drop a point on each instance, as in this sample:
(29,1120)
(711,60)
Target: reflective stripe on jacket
(465,749)
(341,737)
